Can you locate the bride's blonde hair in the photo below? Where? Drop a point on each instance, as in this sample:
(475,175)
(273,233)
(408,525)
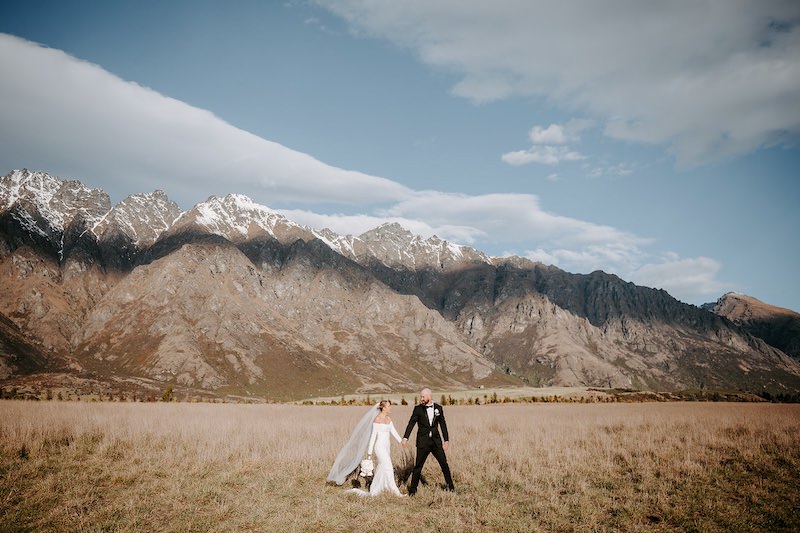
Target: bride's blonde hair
(383,403)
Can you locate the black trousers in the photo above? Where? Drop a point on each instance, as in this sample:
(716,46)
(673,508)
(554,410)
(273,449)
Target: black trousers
(422,456)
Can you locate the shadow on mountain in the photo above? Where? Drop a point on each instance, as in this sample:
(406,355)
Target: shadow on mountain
(597,297)
(18,354)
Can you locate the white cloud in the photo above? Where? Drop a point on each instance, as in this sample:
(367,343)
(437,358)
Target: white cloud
(553,177)
(690,279)
(476,220)
(314,22)
(706,79)
(570,244)
(552,134)
(344,224)
(558,133)
(506,218)
(339,223)
(547,142)
(546,155)
(59,112)
(610,256)
(620,169)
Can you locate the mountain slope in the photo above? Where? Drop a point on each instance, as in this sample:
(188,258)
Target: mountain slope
(288,325)
(234,298)
(551,327)
(778,327)
(17,354)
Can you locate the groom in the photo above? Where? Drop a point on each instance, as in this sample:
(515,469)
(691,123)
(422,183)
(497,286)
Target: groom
(429,417)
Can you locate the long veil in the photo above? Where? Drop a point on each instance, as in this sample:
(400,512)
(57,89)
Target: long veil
(355,449)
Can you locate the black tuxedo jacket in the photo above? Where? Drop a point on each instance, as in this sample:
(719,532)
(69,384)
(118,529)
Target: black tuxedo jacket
(427,433)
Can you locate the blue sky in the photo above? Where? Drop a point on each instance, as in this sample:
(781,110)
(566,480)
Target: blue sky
(657,142)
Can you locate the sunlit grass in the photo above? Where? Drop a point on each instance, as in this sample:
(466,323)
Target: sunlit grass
(70,466)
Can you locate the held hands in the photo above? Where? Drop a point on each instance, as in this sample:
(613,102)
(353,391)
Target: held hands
(445,445)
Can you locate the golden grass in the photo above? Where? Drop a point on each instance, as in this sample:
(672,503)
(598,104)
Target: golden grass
(463,395)
(70,466)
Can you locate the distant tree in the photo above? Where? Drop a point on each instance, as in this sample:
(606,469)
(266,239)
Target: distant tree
(403,401)
(168,394)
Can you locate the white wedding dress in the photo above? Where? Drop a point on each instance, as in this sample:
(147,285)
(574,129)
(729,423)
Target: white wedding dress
(383,476)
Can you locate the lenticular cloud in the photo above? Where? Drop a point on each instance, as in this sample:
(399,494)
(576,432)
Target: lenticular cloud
(60,112)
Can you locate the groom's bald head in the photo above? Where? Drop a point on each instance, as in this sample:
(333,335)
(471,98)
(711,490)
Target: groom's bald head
(425,395)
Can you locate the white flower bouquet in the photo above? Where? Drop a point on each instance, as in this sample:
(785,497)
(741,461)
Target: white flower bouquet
(367,467)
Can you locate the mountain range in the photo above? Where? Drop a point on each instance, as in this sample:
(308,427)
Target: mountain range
(779,327)
(232,298)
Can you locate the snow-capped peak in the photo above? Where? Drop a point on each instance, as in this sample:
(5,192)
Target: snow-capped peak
(57,201)
(396,246)
(237,217)
(142,217)
(341,244)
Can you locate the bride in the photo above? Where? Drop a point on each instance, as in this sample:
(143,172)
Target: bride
(371,434)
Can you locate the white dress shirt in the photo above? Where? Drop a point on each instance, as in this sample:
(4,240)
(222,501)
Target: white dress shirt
(430,417)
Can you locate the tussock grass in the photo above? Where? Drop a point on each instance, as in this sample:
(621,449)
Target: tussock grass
(544,467)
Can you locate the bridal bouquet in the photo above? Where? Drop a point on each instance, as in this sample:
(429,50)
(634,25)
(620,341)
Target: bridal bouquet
(367,467)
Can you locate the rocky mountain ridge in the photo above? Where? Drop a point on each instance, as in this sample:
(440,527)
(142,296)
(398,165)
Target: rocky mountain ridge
(141,219)
(234,298)
(777,326)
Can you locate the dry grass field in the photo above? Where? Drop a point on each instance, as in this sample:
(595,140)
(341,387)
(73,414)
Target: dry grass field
(69,466)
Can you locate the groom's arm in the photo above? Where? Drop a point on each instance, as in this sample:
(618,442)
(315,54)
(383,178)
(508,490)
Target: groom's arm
(411,422)
(443,426)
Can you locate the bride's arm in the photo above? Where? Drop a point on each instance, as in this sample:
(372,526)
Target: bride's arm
(395,434)
(372,438)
